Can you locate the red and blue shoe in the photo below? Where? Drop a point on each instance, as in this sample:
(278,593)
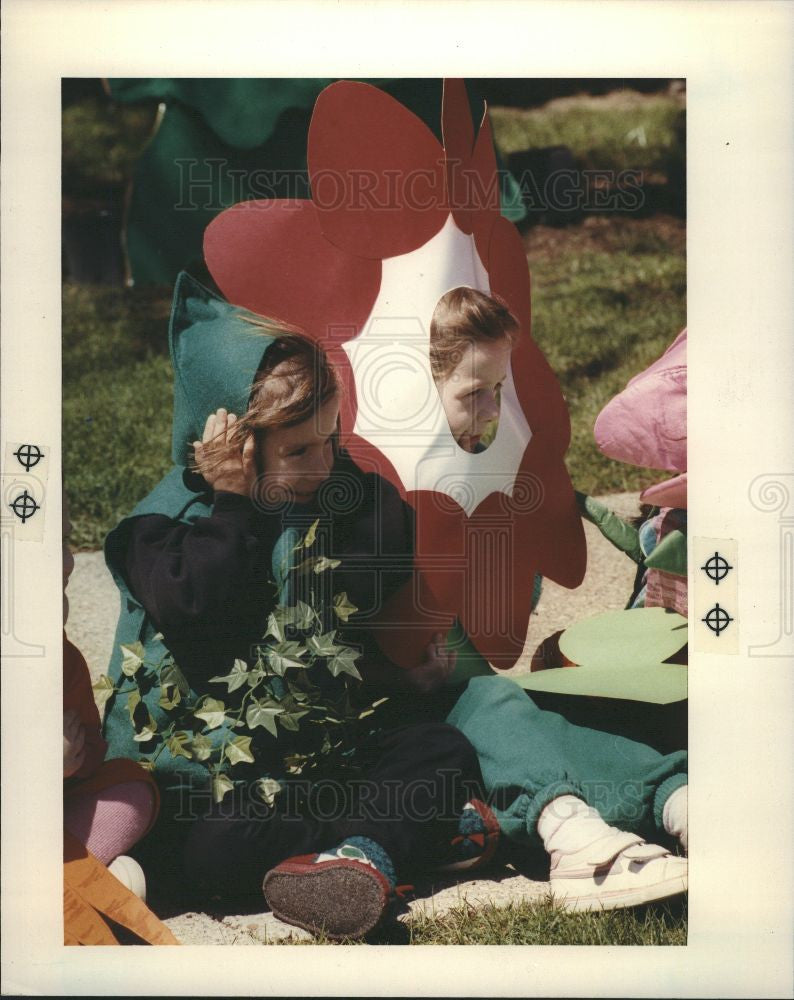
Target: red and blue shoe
(344,892)
(476,841)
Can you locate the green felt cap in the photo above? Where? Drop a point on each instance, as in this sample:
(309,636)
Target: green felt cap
(215,353)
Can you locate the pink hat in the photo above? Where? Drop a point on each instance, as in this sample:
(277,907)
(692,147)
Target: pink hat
(645,424)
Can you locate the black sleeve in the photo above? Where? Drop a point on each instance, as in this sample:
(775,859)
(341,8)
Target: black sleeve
(187,575)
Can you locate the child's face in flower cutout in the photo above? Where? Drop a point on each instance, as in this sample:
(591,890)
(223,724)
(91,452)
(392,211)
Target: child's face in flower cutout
(297,460)
(470,391)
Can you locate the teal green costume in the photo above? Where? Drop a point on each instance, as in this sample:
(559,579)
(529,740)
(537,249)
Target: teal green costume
(215,354)
(529,756)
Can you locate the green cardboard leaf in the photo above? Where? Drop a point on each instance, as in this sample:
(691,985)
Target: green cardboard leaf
(103,689)
(670,554)
(263,713)
(342,606)
(622,639)
(132,654)
(660,684)
(620,533)
(221,784)
(212,712)
(240,750)
(620,655)
(469,662)
(237,677)
(344,663)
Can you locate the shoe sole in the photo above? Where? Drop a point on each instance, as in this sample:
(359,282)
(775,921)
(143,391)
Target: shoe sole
(312,899)
(620,898)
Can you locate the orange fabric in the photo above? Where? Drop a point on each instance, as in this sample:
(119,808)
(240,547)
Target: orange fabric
(91,892)
(78,695)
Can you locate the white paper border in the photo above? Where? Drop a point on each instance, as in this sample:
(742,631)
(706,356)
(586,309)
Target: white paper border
(737,59)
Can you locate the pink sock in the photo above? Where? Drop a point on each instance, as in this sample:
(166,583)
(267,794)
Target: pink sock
(109,822)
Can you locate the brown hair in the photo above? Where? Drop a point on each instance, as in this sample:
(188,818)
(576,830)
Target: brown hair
(293,381)
(462,317)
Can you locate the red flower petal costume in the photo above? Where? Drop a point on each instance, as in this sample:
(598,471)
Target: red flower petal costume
(396,221)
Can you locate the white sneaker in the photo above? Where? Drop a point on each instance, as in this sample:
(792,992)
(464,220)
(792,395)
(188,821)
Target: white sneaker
(130,874)
(617,870)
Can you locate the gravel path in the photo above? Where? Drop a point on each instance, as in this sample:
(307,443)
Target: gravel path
(94,606)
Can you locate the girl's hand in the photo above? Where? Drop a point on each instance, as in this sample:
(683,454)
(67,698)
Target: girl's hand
(73,743)
(235,474)
(433,671)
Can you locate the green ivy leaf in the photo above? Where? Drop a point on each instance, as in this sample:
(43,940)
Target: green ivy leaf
(172,676)
(344,663)
(310,536)
(178,745)
(147,765)
(268,789)
(372,708)
(212,712)
(240,750)
(323,645)
(237,677)
(290,718)
(103,689)
(317,564)
(147,731)
(201,746)
(221,784)
(324,563)
(169,698)
(275,624)
(131,658)
(284,656)
(343,607)
(263,713)
(301,615)
(133,700)
(256,675)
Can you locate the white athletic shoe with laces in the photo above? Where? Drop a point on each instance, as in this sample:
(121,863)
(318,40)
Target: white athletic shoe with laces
(617,870)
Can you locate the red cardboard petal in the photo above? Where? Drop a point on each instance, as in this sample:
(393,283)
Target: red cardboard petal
(271,257)
(376,172)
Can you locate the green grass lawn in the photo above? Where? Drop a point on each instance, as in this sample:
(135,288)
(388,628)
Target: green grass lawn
(613,132)
(536,923)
